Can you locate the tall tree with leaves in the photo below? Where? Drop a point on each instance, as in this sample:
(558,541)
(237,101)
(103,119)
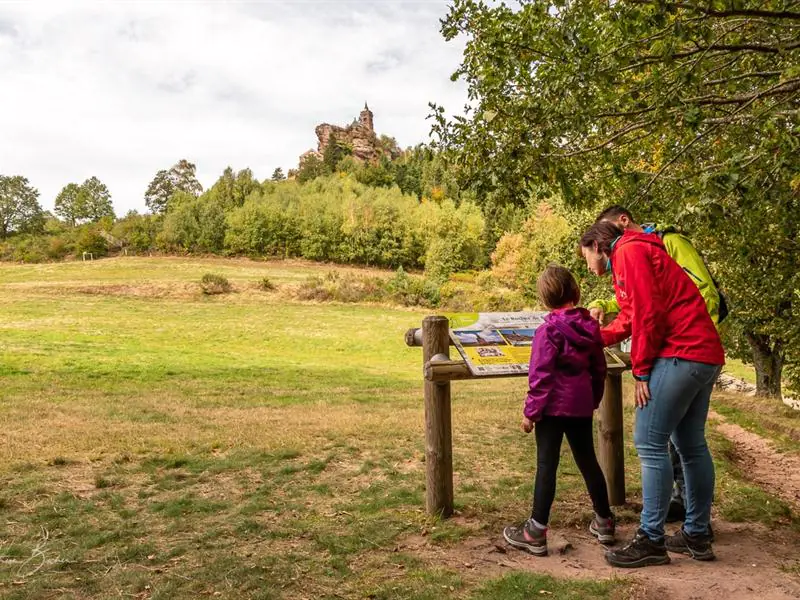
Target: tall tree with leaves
(85,203)
(66,204)
(686,110)
(20,211)
(244,185)
(311,167)
(277,174)
(182,177)
(95,200)
(335,150)
(223,190)
(232,189)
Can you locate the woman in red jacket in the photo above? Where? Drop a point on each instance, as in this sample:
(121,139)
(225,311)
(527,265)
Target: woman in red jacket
(676,354)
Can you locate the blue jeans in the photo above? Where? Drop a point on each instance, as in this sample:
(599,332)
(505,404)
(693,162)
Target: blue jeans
(680,391)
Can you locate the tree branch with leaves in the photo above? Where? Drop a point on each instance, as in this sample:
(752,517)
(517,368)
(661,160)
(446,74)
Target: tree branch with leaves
(681,110)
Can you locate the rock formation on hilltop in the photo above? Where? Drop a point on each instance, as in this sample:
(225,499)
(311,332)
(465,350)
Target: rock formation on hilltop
(359,137)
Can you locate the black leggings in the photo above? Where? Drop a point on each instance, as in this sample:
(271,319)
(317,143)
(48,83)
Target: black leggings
(549,433)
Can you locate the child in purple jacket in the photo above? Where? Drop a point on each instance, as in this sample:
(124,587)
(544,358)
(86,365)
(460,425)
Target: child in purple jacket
(566,376)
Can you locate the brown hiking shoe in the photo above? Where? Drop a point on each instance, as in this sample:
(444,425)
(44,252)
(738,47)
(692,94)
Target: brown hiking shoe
(640,552)
(527,537)
(696,546)
(603,530)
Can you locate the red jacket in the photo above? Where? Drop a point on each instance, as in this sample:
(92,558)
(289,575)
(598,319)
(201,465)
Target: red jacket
(660,308)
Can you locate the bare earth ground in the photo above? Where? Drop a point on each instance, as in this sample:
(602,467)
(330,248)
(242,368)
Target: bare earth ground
(752,561)
(741,571)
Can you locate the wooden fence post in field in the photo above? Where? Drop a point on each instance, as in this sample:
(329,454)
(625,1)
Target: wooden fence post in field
(610,441)
(438,433)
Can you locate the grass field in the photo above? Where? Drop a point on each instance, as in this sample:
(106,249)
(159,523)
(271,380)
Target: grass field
(158,443)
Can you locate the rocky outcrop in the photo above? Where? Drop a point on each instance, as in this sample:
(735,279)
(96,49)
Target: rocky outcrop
(729,383)
(359,137)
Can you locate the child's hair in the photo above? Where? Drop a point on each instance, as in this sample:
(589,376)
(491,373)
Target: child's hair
(557,287)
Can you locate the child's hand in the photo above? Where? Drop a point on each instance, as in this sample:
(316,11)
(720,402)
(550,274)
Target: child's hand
(598,314)
(527,425)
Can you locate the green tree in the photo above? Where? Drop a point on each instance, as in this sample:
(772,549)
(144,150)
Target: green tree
(232,189)
(310,168)
(335,151)
(20,211)
(244,185)
(277,174)
(681,110)
(454,237)
(138,232)
(94,201)
(223,189)
(388,146)
(194,224)
(260,228)
(181,177)
(408,169)
(377,174)
(88,202)
(66,204)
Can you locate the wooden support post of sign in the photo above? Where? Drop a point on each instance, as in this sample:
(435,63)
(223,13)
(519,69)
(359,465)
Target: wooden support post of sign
(610,442)
(438,433)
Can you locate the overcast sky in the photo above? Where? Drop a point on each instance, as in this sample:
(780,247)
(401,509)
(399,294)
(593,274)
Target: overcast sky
(121,89)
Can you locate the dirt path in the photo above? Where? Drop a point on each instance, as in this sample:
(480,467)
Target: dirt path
(741,571)
(752,561)
(777,473)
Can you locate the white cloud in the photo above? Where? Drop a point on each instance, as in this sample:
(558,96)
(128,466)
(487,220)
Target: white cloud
(122,89)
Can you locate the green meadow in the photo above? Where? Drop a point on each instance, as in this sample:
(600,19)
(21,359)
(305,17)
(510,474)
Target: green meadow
(160,443)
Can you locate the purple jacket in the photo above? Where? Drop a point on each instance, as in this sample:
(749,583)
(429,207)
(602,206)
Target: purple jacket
(568,368)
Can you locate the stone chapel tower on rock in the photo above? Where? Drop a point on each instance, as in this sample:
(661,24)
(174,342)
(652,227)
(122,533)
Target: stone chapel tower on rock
(359,136)
(365,118)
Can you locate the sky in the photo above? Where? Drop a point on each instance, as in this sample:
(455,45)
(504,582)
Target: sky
(120,89)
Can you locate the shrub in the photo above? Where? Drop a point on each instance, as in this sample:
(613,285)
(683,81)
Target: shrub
(194,224)
(412,291)
(441,259)
(57,248)
(354,288)
(506,259)
(261,228)
(29,249)
(314,288)
(342,288)
(138,232)
(455,298)
(212,283)
(90,240)
(400,289)
(265,284)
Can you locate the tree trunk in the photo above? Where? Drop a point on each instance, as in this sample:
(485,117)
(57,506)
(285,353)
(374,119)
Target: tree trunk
(768,361)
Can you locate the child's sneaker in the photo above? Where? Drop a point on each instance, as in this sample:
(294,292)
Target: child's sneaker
(603,530)
(527,537)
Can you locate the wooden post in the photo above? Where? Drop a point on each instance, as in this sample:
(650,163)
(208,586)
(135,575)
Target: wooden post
(612,449)
(438,434)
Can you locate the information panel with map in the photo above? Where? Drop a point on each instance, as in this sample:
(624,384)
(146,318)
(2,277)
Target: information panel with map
(500,343)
